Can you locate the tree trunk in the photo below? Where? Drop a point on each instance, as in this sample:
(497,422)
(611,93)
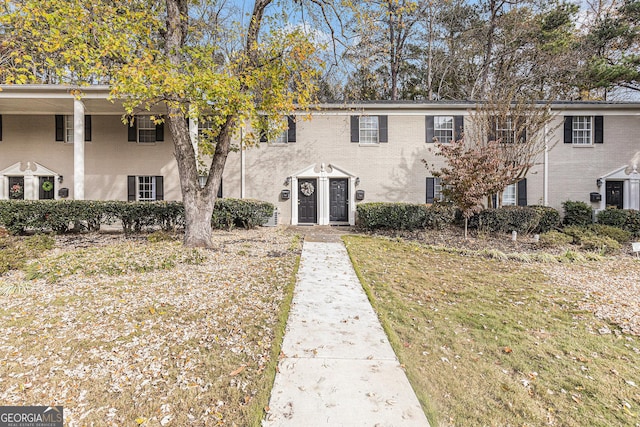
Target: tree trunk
(198,209)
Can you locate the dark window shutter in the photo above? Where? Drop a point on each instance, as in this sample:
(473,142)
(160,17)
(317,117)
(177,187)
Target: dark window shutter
(355,129)
(159,188)
(383,129)
(522,192)
(160,132)
(263,127)
(0,127)
(291,131)
(131,188)
(132,129)
(598,125)
(59,127)
(458,127)
(87,128)
(568,129)
(494,201)
(219,195)
(431,189)
(430,131)
(493,125)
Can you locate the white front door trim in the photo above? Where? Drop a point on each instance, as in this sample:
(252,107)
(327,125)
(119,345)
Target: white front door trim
(323,173)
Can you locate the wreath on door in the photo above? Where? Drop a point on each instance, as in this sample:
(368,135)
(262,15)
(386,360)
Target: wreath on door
(47,186)
(307,188)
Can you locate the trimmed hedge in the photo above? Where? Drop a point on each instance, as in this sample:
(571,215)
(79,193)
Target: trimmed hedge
(549,219)
(245,213)
(403,216)
(59,216)
(523,219)
(577,213)
(625,219)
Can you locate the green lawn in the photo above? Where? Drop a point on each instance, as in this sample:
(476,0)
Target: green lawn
(496,343)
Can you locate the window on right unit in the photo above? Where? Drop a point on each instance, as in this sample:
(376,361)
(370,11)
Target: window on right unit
(583,131)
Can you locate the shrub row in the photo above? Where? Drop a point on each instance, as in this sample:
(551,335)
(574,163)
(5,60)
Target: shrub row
(625,219)
(403,216)
(523,219)
(60,216)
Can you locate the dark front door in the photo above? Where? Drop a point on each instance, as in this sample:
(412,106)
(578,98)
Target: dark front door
(613,194)
(16,187)
(45,190)
(338,200)
(307,201)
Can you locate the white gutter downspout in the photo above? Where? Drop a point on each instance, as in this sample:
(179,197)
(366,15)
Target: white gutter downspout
(545,190)
(242,165)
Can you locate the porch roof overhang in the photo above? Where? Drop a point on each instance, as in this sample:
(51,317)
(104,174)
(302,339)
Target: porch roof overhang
(56,99)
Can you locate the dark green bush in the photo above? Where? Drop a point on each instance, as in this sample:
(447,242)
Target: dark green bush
(245,213)
(60,216)
(613,217)
(549,218)
(403,216)
(577,213)
(522,219)
(625,219)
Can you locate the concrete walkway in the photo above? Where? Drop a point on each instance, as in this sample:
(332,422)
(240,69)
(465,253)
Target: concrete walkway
(338,367)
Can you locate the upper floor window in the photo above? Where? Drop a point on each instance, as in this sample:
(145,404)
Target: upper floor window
(583,130)
(285,136)
(444,129)
(144,130)
(65,128)
(369,129)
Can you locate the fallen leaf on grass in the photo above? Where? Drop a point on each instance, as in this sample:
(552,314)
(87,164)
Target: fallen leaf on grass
(507,350)
(237,371)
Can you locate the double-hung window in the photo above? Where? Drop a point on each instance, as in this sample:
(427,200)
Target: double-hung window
(444,129)
(65,128)
(505,130)
(509,196)
(369,130)
(144,130)
(583,131)
(434,190)
(287,135)
(145,188)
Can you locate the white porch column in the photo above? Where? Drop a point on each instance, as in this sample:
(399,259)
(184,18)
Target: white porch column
(78,149)
(193,134)
(634,191)
(294,200)
(30,184)
(323,197)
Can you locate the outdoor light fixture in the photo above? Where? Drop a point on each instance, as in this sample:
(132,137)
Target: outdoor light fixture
(357,180)
(202,180)
(287,181)
(599,182)
(60,178)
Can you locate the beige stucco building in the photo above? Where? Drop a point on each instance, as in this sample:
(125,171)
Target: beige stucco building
(53,145)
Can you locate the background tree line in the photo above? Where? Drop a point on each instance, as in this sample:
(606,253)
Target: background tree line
(464,50)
